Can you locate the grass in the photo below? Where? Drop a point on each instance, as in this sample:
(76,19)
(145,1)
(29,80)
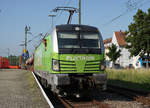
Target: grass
(33,87)
(130,78)
(31,81)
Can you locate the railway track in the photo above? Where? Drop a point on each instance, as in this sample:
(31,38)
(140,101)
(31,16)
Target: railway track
(139,96)
(59,102)
(87,104)
(144,100)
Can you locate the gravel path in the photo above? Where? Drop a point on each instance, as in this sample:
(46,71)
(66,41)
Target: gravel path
(117,101)
(18,89)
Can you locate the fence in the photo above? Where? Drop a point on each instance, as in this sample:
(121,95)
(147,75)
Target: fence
(4,63)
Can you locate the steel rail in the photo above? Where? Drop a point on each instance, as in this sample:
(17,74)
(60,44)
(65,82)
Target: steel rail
(89,104)
(139,96)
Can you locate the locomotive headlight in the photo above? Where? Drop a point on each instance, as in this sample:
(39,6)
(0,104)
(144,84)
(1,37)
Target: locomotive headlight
(55,65)
(102,66)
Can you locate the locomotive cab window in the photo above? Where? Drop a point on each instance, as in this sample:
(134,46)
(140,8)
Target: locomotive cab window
(79,42)
(68,40)
(73,40)
(89,40)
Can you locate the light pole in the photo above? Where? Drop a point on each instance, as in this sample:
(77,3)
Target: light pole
(26,31)
(52,16)
(8,52)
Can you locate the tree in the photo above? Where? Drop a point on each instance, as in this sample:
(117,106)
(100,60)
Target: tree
(138,38)
(113,54)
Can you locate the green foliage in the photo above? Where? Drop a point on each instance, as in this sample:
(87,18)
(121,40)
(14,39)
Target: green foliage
(139,34)
(113,54)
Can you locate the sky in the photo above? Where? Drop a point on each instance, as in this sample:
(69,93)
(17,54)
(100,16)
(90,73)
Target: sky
(16,14)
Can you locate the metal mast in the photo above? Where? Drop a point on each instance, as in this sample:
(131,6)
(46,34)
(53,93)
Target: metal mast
(26,31)
(79,11)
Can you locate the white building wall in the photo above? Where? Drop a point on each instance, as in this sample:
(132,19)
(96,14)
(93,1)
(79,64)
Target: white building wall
(114,40)
(125,59)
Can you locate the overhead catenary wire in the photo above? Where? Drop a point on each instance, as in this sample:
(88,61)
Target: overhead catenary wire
(71,11)
(130,7)
(39,35)
(58,15)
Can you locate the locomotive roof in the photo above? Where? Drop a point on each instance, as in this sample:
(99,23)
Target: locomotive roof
(70,27)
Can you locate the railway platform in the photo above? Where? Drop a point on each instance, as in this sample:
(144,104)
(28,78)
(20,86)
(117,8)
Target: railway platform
(18,89)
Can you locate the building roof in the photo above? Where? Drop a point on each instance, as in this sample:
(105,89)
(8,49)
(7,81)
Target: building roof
(107,40)
(120,36)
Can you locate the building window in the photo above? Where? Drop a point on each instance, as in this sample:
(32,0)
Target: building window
(129,57)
